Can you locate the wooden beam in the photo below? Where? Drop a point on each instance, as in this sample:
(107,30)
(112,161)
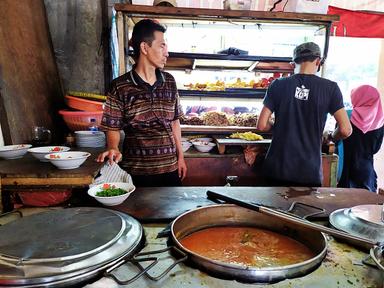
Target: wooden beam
(218,14)
(1,199)
(14,181)
(120,39)
(105,39)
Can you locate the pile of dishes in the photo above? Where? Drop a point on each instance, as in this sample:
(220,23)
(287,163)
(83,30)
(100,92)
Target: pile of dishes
(93,139)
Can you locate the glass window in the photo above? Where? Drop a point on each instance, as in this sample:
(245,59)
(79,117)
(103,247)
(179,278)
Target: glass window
(262,39)
(354,66)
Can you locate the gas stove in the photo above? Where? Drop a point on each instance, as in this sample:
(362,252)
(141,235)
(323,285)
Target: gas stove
(342,267)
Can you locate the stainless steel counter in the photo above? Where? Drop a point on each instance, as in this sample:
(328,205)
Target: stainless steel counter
(341,268)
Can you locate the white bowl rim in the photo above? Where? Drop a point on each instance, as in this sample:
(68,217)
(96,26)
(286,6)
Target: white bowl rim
(209,144)
(204,139)
(14,147)
(34,149)
(85,155)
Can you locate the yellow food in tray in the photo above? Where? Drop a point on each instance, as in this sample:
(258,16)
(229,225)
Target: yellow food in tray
(250,136)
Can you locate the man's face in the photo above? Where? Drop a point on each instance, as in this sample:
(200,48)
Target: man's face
(157,53)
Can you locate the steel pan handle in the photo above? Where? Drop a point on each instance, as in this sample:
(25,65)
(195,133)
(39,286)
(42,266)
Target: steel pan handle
(144,271)
(290,218)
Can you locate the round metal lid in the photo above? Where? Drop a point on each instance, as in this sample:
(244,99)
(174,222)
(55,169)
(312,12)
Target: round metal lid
(363,221)
(369,213)
(62,244)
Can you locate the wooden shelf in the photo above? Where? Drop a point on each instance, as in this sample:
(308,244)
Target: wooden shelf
(222,143)
(219,14)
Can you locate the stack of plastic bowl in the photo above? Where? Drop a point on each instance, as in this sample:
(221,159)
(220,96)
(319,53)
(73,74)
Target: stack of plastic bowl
(91,139)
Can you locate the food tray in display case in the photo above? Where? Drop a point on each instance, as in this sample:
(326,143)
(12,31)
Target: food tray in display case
(223,142)
(227,93)
(216,129)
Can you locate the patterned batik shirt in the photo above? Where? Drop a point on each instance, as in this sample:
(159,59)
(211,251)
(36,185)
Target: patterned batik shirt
(145,113)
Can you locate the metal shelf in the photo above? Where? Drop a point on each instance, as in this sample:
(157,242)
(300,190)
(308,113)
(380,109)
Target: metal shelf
(228,93)
(229,57)
(206,61)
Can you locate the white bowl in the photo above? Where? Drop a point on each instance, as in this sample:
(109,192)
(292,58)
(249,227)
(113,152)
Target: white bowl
(186,146)
(112,200)
(40,152)
(204,146)
(14,151)
(67,160)
(204,139)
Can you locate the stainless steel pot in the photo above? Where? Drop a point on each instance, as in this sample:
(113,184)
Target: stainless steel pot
(353,224)
(230,215)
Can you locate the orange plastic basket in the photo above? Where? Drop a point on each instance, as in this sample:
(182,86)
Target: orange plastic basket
(80,120)
(83,104)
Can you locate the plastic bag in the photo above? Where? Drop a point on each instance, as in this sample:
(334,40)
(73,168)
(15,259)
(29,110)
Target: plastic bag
(307,6)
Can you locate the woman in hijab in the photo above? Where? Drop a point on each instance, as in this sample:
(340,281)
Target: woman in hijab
(368,129)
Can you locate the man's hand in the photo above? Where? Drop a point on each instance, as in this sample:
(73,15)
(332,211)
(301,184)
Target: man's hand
(181,168)
(113,155)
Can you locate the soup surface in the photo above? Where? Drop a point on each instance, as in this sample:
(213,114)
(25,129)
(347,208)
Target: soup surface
(247,246)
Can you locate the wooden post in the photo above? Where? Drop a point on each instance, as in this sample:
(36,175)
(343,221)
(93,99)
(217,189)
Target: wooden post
(120,39)
(30,86)
(1,199)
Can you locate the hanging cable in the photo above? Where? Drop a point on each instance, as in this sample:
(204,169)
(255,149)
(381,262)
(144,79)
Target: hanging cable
(274,5)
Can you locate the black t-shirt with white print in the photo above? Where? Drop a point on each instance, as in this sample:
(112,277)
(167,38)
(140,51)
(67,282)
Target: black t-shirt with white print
(301,103)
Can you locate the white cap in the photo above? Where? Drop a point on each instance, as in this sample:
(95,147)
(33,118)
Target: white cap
(165,3)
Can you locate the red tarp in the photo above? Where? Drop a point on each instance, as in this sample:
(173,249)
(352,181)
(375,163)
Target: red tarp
(357,23)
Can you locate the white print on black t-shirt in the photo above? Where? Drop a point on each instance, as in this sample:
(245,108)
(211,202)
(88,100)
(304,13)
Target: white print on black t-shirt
(302,93)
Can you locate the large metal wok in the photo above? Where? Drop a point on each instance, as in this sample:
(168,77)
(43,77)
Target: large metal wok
(233,215)
(354,231)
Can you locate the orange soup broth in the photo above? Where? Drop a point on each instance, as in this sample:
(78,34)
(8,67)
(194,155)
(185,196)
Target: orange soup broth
(247,246)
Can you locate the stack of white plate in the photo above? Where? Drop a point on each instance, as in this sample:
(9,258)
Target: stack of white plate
(91,139)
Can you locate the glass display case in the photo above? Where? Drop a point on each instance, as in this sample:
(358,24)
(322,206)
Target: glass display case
(223,61)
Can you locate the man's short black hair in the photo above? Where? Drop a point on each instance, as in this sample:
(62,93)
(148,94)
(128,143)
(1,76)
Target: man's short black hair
(144,32)
(306,59)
